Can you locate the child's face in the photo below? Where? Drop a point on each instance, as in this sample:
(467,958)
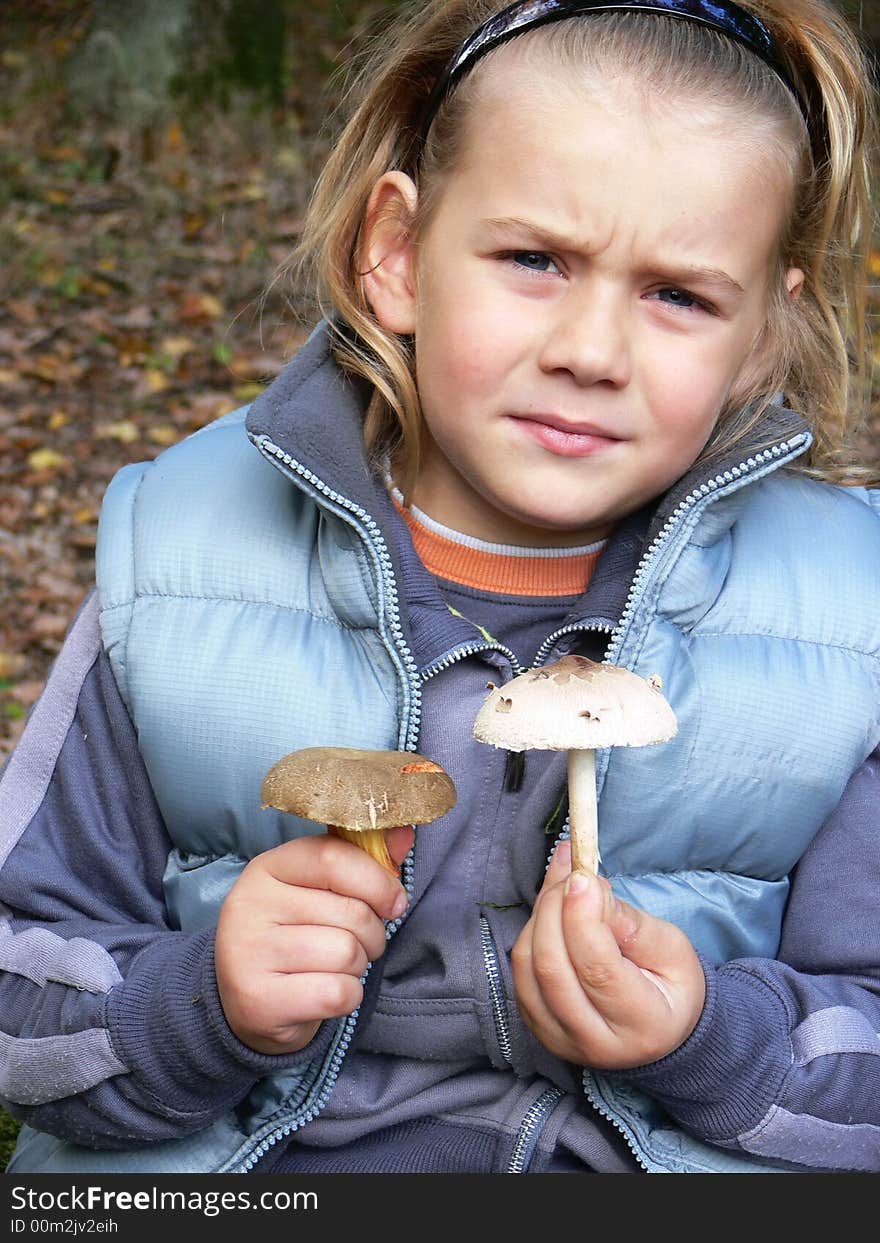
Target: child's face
(571,360)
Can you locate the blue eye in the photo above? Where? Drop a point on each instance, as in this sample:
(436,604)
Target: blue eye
(680,298)
(533,260)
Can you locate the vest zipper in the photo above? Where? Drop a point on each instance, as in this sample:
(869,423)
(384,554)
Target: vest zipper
(374,542)
(592,1096)
(719,485)
(373,539)
(762,462)
(273,1133)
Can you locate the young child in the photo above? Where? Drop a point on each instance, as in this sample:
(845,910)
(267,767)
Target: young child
(594,288)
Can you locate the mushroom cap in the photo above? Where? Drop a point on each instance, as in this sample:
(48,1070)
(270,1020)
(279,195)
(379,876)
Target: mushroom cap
(359,790)
(575,704)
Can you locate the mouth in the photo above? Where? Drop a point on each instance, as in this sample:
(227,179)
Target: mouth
(566,438)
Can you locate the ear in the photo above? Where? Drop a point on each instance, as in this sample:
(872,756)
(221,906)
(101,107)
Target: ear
(794,283)
(387,256)
(759,364)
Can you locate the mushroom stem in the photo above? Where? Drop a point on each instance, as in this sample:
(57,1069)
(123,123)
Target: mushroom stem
(582,813)
(370,840)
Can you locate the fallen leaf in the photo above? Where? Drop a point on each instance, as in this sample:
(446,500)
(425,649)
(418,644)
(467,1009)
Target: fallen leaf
(155,381)
(174,138)
(164,435)
(124,431)
(199,306)
(11,665)
(255,366)
(50,625)
(27,693)
(25,312)
(176,347)
(46,459)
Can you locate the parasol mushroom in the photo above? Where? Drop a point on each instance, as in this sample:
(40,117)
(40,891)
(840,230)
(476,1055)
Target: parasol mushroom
(359,794)
(577,705)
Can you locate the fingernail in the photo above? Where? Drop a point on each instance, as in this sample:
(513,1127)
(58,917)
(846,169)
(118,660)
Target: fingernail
(578,883)
(401,902)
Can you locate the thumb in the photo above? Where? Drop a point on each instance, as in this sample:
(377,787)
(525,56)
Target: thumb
(648,942)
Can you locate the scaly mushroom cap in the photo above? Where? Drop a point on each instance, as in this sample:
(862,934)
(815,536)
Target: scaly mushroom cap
(359,790)
(575,704)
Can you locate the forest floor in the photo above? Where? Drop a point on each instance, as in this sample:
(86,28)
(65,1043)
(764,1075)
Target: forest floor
(141,297)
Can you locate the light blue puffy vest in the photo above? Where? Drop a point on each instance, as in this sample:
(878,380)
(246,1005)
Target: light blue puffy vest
(246,617)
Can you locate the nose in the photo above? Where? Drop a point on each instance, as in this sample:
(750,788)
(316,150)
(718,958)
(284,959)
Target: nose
(590,338)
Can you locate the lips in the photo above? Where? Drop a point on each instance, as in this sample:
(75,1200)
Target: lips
(565,438)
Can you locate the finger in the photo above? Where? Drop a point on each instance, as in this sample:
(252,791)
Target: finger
(326,862)
(307,947)
(293,906)
(557,979)
(548,994)
(544,1026)
(288,1000)
(558,867)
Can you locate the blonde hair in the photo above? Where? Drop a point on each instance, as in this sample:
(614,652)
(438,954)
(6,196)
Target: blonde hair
(818,345)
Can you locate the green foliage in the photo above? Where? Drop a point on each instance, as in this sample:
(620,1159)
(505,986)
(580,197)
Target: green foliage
(9,709)
(9,1129)
(245,50)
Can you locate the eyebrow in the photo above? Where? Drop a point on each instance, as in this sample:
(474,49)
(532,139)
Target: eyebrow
(678,273)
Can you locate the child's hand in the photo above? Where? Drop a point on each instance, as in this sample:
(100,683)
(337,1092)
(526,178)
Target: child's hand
(600,983)
(295,934)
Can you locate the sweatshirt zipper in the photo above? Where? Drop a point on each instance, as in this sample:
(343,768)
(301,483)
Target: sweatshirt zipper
(530,1129)
(496,991)
(456,654)
(574,627)
(539,1111)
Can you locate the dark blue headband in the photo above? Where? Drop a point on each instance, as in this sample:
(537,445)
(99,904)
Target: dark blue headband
(730,19)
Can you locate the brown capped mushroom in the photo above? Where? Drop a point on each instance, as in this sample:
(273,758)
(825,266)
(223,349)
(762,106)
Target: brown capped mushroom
(577,705)
(360,794)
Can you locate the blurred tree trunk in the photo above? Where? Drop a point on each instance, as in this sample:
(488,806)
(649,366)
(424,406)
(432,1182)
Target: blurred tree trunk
(137,60)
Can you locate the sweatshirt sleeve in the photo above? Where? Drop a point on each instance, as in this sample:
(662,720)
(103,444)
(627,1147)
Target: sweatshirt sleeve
(111,1028)
(785,1061)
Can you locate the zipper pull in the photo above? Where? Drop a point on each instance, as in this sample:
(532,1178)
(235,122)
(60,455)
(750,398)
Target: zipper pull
(514,771)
